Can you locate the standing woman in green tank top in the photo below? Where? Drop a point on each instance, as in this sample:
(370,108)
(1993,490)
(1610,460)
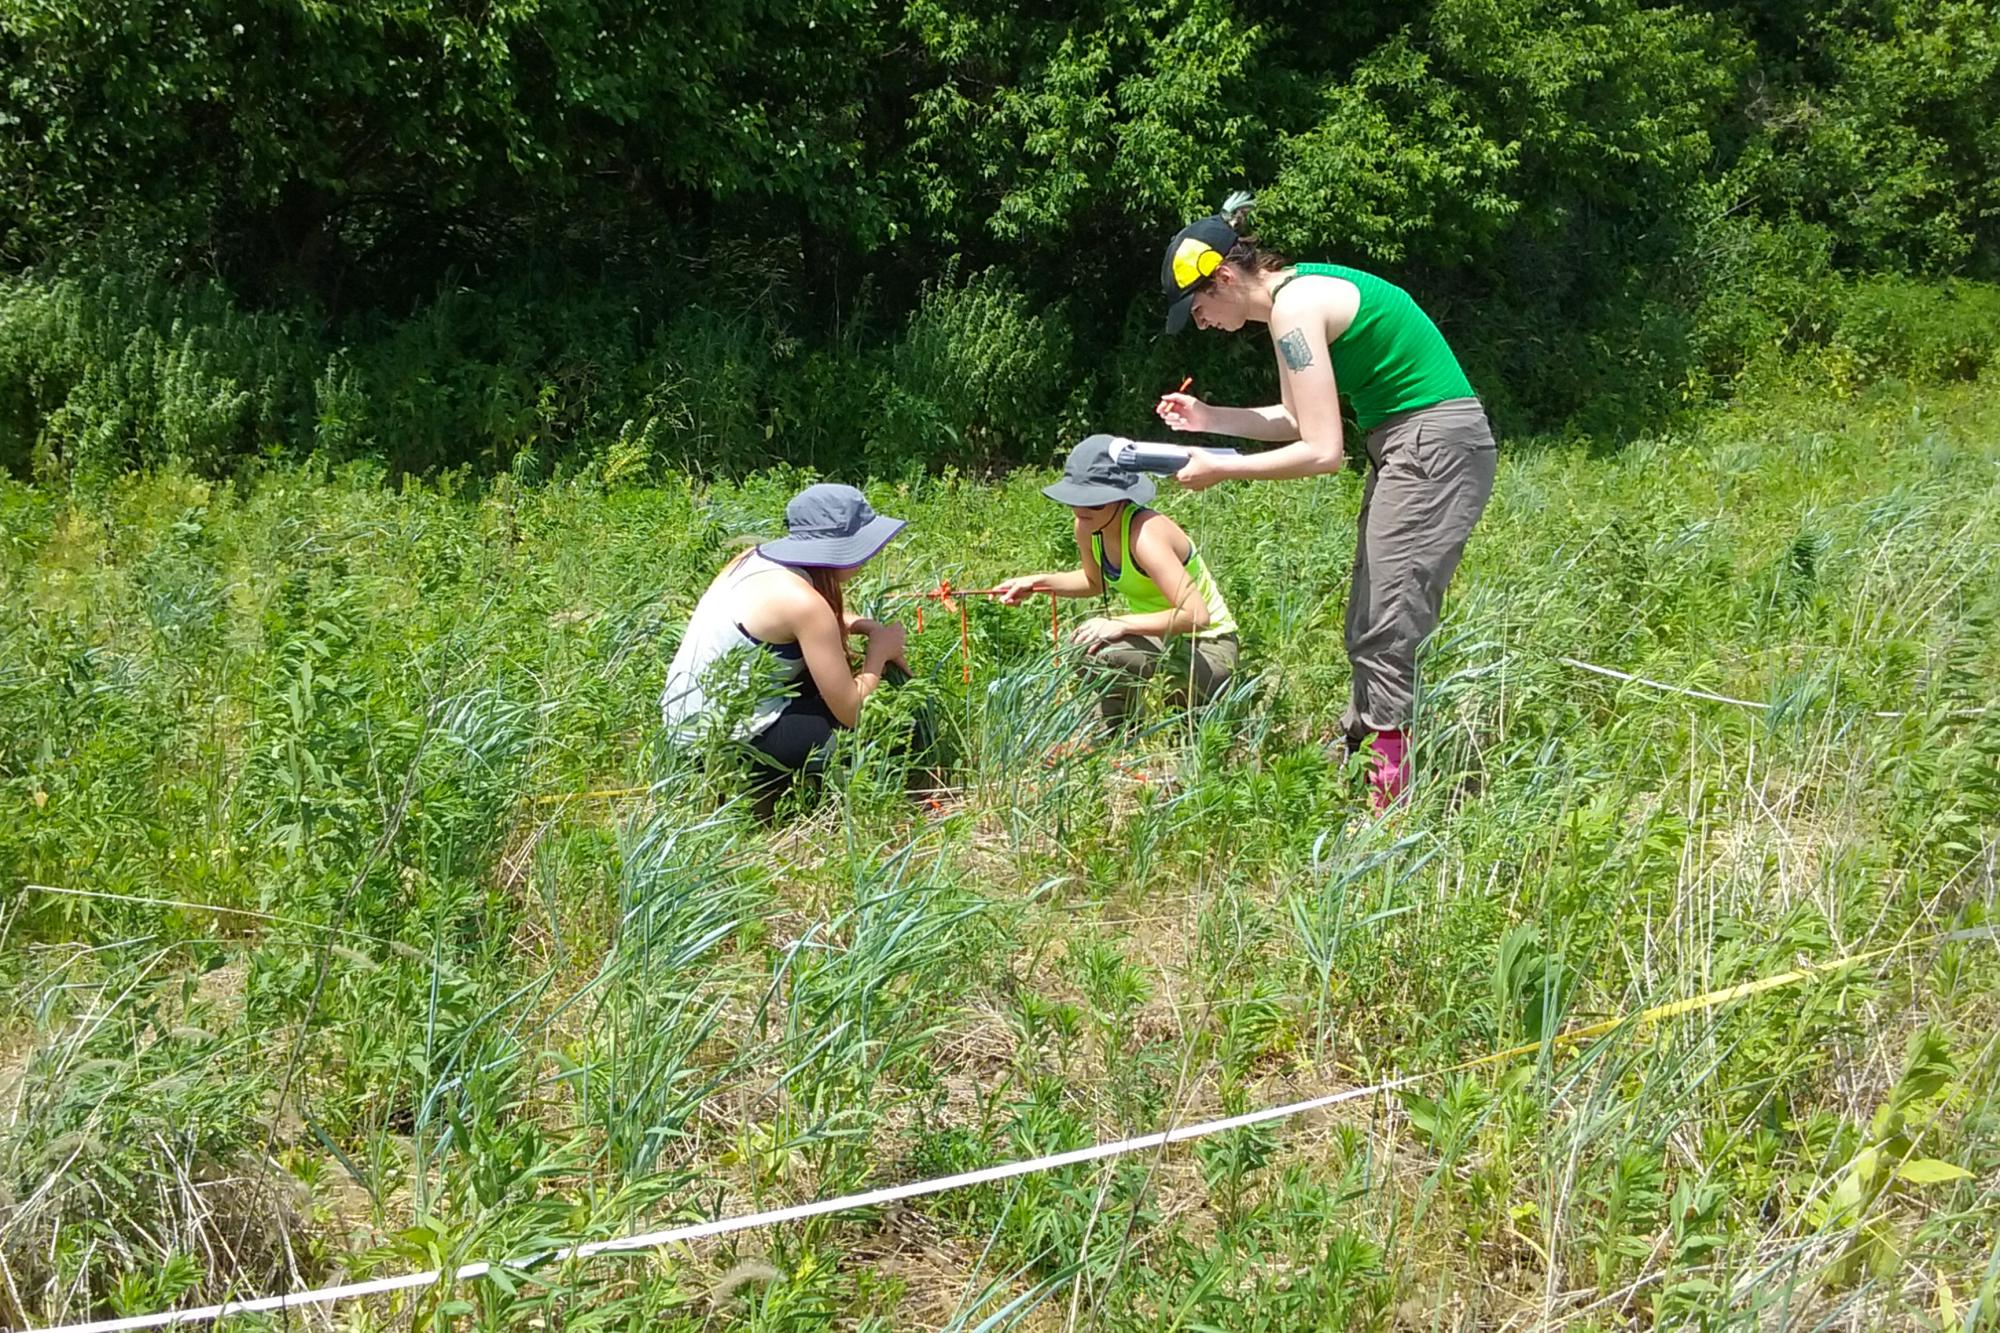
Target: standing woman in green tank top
(1335,331)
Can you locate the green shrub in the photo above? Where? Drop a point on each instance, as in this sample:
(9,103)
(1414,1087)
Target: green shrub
(1924,331)
(976,374)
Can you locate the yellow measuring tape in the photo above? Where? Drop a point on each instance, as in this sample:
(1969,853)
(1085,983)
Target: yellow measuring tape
(1710,999)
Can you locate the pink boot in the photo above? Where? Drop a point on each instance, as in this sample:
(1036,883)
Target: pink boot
(1389,777)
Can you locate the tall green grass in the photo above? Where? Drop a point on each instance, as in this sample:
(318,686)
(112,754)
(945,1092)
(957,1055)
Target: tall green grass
(300,979)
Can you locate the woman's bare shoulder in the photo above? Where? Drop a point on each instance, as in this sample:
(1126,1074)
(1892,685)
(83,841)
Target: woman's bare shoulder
(779,601)
(1333,300)
(1154,531)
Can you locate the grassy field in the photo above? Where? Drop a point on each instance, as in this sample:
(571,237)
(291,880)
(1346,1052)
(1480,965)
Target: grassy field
(314,964)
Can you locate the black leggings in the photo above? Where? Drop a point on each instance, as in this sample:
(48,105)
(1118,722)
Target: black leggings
(792,744)
(793,737)
(783,751)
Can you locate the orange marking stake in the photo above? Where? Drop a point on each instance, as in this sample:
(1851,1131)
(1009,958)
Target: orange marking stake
(943,594)
(965,643)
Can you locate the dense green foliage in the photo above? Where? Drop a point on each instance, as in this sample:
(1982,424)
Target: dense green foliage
(353,1000)
(527,234)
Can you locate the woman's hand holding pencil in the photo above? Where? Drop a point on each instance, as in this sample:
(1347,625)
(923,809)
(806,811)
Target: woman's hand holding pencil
(1182,410)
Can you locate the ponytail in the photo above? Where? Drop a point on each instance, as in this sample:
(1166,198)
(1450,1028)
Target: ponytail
(826,582)
(1248,254)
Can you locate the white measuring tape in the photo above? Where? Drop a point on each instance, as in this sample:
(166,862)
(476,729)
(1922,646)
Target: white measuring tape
(1726,699)
(647,1240)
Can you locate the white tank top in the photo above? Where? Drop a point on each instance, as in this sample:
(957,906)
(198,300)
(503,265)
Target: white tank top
(713,634)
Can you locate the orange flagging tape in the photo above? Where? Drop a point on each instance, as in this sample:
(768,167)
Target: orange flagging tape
(950,596)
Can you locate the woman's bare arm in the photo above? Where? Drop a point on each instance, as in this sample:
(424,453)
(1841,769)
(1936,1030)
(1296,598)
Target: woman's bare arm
(1305,373)
(1158,548)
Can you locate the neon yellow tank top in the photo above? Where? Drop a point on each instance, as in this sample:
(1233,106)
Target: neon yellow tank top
(1141,595)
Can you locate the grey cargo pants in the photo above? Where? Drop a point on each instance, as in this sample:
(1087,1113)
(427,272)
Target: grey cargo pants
(1431,474)
(1197,668)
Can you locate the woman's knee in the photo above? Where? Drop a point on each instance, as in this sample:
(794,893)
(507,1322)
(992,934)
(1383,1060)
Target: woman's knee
(1128,657)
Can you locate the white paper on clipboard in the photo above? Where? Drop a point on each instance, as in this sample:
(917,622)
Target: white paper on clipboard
(1143,456)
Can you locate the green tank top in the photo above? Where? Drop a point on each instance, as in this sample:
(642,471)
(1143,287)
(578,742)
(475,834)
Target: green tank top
(1141,595)
(1392,358)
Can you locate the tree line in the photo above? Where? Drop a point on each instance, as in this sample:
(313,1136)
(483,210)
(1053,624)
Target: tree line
(523,233)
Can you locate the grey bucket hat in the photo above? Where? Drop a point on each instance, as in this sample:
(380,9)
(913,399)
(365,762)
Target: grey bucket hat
(830,527)
(1090,477)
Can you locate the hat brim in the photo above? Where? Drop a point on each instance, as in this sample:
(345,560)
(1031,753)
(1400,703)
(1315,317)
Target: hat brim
(833,552)
(1088,495)
(1180,310)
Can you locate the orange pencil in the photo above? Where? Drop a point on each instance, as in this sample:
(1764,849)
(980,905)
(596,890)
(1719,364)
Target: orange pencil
(1184,384)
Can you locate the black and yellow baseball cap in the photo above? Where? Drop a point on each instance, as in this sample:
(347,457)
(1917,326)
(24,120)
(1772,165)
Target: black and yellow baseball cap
(1193,255)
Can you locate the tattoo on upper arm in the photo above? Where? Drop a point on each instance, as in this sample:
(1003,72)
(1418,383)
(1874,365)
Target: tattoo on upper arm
(1293,347)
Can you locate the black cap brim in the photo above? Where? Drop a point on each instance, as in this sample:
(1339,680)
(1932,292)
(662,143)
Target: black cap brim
(1179,311)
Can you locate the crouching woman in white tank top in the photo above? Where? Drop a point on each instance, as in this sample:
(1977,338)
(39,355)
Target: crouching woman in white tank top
(783,599)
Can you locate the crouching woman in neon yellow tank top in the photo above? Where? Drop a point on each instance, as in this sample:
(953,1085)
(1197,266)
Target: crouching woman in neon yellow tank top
(1173,618)
(1339,332)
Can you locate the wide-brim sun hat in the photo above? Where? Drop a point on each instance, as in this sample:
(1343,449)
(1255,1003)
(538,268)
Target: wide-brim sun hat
(1193,256)
(1091,477)
(830,526)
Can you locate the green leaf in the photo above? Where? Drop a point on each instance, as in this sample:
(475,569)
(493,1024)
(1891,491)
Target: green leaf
(1423,1112)
(1846,1196)
(1931,1171)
